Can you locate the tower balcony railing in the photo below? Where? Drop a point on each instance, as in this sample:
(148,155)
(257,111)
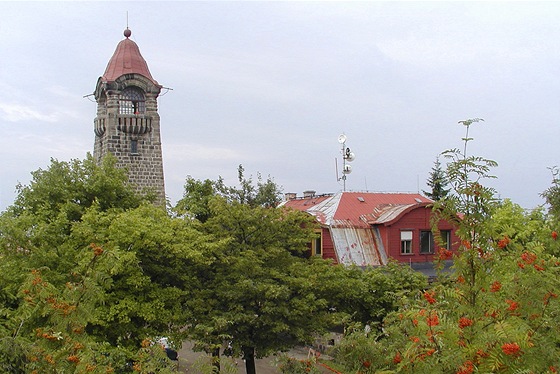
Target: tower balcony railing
(134,123)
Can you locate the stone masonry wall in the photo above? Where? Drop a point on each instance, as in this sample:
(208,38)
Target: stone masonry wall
(116,132)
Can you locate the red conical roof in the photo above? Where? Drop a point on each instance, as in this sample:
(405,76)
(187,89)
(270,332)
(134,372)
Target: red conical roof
(127,60)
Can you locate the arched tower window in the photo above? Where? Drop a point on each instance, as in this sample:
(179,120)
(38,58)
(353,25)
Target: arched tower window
(132,101)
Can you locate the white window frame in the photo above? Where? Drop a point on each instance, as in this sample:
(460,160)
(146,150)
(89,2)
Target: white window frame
(406,242)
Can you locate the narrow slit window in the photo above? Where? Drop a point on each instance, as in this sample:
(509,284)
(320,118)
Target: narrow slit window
(317,246)
(134,146)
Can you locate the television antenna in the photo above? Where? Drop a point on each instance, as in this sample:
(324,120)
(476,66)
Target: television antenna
(347,156)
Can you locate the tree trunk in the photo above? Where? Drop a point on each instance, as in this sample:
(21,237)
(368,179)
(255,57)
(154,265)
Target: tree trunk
(216,359)
(249,357)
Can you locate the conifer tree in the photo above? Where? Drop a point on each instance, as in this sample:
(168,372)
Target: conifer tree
(438,182)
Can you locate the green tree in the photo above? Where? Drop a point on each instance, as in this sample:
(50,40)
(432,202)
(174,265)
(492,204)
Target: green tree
(552,195)
(88,263)
(53,322)
(197,195)
(150,283)
(70,187)
(495,313)
(196,199)
(437,181)
(365,296)
(254,290)
(265,193)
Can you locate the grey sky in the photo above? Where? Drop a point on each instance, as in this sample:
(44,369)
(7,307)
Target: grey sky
(271,85)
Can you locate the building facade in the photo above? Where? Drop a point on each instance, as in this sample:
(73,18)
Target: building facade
(127,124)
(369,229)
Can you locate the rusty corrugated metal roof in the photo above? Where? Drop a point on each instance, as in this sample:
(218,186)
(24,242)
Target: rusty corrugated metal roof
(350,216)
(387,214)
(127,60)
(357,246)
(325,211)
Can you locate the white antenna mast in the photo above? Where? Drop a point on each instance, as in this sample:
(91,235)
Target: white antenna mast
(347,156)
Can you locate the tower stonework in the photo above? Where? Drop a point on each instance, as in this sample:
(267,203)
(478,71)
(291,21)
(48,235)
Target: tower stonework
(127,124)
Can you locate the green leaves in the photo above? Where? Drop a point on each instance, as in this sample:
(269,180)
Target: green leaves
(254,288)
(552,195)
(89,271)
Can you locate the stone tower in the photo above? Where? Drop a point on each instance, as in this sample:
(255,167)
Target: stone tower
(127,122)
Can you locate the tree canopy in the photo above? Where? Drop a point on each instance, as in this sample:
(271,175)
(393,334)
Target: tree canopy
(93,273)
(552,195)
(89,271)
(253,288)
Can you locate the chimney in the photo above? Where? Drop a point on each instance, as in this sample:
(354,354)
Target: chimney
(308,194)
(290,196)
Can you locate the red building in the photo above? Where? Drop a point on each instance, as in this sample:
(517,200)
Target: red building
(367,228)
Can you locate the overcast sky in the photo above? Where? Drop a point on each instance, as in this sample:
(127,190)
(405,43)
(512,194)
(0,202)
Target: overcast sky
(271,86)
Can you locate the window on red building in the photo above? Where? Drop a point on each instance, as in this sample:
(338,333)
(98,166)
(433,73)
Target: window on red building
(445,239)
(406,242)
(316,245)
(427,244)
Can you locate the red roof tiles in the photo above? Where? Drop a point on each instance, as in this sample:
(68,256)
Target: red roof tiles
(127,60)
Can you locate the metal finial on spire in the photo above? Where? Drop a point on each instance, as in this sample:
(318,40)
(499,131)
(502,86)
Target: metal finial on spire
(127,32)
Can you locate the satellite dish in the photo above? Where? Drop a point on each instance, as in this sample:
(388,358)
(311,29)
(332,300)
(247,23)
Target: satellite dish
(349,155)
(347,169)
(342,138)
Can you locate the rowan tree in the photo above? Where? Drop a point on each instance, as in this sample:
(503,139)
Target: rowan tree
(496,312)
